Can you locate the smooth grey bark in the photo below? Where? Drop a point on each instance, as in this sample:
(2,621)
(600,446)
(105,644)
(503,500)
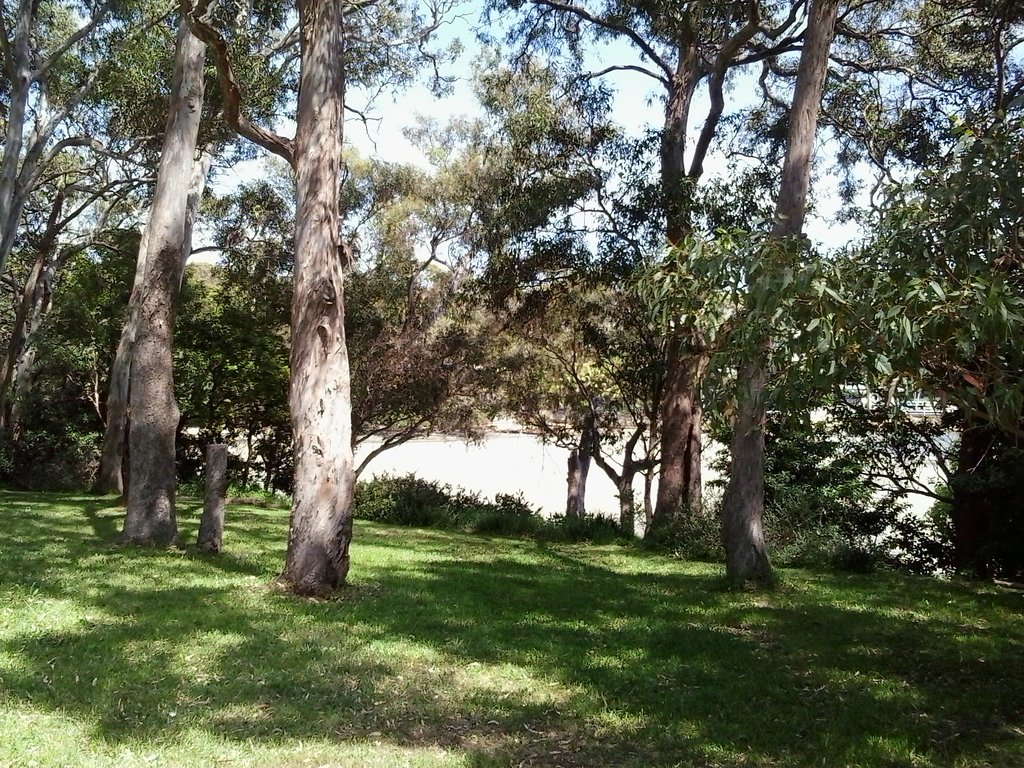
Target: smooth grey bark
(150,517)
(743,503)
(110,476)
(211,524)
(320,532)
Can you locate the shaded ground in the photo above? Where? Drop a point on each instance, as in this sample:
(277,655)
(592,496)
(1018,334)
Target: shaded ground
(453,650)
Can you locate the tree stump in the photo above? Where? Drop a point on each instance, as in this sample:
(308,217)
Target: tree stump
(211,525)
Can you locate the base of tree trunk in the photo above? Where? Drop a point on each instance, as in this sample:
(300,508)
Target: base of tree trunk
(746,557)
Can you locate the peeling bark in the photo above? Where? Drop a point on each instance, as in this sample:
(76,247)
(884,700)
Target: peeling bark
(317,560)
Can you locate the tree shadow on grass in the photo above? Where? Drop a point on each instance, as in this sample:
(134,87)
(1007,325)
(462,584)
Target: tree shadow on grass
(517,654)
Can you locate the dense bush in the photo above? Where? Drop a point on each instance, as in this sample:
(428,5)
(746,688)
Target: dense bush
(820,512)
(409,500)
(50,460)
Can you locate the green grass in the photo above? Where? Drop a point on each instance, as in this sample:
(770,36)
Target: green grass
(457,650)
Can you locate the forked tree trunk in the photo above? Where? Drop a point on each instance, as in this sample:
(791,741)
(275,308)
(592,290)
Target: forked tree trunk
(320,393)
(679,482)
(743,504)
(150,517)
(579,469)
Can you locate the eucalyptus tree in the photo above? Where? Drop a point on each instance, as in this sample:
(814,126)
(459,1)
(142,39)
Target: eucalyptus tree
(421,348)
(743,504)
(935,293)
(677,46)
(589,368)
(82,198)
(266,70)
(150,515)
(58,178)
(317,560)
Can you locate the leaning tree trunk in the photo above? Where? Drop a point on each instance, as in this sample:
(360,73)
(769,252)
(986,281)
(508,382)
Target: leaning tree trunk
(320,394)
(743,504)
(150,517)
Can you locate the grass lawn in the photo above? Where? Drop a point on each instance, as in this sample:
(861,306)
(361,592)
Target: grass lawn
(455,650)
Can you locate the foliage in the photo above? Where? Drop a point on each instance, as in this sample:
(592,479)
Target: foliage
(945,281)
(231,341)
(410,500)
(820,508)
(413,501)
(60,402)
(450,651)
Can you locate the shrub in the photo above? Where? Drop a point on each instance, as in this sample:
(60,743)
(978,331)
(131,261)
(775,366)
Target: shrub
(405,500)
(596,530)
(52,460)
(508,516)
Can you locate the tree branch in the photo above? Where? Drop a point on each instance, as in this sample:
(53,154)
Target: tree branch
(628,67)
(634,36)
(63,48)
(716,83)
(196,16)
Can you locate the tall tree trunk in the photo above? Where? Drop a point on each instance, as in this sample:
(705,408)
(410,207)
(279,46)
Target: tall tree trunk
(679,483)
(150,517)
(320,399)
(970,512)
(109,478)
(743,504)
(20,79)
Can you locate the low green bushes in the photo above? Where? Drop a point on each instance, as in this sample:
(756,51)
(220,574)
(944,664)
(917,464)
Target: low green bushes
(410,500)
